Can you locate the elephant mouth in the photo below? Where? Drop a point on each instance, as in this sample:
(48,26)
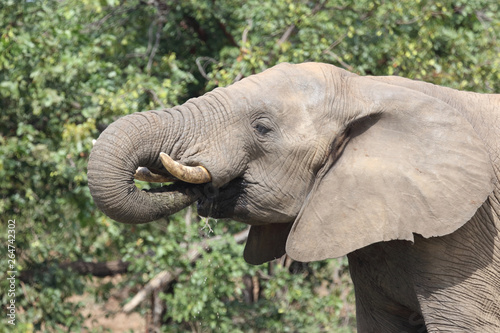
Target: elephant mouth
(227,201)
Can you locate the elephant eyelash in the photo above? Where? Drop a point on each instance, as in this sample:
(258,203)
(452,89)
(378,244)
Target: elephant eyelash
(261,129)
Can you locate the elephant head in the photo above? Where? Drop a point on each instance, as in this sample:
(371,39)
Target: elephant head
(319,161)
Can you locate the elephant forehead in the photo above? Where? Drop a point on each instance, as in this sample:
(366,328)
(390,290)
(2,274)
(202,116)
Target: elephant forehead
(283,80)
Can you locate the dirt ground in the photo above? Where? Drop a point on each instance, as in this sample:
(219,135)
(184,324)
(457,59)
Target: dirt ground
(109,315)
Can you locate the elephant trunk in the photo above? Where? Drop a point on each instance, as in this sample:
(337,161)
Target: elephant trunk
(132,141)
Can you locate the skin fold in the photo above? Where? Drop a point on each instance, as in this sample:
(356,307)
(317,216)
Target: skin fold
(400,175)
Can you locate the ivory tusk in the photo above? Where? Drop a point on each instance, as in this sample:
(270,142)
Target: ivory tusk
(188,174)
(144,174)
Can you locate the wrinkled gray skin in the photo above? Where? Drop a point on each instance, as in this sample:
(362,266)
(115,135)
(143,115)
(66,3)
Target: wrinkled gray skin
(398,174)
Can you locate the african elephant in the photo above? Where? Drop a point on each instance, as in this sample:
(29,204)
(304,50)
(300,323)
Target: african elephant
(400,175)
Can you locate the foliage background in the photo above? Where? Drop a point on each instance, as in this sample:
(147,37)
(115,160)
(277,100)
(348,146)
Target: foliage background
(68,68)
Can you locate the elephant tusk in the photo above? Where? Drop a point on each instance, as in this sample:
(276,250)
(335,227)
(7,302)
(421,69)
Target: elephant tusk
(188,174)
(144,174)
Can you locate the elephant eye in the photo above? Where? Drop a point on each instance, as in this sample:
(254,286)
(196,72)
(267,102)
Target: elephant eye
(261,129)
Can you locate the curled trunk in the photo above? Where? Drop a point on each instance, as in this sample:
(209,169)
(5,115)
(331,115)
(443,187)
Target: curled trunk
(128,143)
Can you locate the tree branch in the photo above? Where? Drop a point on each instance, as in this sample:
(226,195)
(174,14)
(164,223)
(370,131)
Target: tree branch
(227,34)
(98,269)
(155,47)
(155,98)
(286,34)
(201,68)
(339,59)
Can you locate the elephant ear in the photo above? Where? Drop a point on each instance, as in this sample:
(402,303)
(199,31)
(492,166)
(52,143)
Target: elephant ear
(266,242)
(413,164)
